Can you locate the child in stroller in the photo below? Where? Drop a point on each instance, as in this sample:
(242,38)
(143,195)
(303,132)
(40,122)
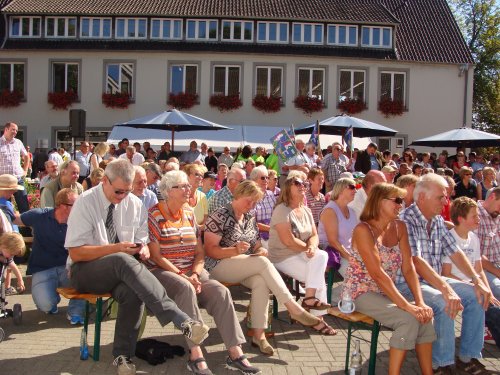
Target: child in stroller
(11,244)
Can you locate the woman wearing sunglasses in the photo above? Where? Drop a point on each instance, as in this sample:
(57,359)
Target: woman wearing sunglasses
(466,186)
(235,255)
(293,248)
(380,249)
(264,207)
(336,223)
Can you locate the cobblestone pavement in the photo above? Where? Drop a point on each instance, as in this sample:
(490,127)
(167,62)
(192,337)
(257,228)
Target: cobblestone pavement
(48,344)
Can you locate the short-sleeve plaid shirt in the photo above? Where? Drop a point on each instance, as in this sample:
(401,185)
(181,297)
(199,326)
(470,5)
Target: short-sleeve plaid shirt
(264,208)
(433,246)
(220,199)
(332,168)
(489,235)
(10,157)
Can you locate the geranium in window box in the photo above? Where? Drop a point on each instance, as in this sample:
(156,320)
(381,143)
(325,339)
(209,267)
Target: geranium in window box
(352,105)
(390,107)
(225,102)
(182,100)
(308,104)
(10,98)
(62,99)
(116,100)
(267,104)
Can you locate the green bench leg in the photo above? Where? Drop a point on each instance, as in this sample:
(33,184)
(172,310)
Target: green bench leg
(97,332)
(329,284)
(348,349)
(373,348)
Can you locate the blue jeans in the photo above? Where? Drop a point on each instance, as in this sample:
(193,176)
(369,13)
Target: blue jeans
(45,296)
(21,197)
(494,284)
(472,333)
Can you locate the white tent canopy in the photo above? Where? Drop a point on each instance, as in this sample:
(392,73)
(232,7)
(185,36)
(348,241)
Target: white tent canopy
(252,135)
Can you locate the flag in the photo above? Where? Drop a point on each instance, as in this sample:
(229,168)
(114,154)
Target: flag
(284,146)
(314,139)
(291,134)
(348,138)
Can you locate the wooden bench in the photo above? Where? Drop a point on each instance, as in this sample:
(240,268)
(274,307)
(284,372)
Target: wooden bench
(357,321)
(94,299)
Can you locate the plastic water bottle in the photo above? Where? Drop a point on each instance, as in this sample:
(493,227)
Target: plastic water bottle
(84,348)
(356,363)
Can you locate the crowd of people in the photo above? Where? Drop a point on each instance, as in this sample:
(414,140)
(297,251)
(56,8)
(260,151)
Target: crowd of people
(415,237)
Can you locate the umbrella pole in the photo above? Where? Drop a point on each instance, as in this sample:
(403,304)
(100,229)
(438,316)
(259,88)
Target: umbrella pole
(173,132)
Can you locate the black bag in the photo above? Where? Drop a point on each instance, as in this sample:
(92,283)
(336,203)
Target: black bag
(156,352)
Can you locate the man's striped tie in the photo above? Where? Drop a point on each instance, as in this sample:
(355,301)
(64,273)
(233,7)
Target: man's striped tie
(110,225)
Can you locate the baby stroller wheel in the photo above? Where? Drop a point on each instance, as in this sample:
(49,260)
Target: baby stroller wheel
(2,334)
(17,312)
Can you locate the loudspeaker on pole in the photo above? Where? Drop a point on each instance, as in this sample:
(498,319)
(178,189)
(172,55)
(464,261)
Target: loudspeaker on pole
(77,118)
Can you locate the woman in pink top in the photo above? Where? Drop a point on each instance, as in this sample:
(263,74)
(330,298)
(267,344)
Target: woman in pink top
(380,249)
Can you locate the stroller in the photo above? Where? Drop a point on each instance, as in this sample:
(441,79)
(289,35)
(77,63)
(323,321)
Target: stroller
(16,312)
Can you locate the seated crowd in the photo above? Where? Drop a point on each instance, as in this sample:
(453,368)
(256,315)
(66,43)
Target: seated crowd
(415,238)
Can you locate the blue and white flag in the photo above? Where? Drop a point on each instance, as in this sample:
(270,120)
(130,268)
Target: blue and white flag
(285,148)
(291,134)
(348,138)
(314,139)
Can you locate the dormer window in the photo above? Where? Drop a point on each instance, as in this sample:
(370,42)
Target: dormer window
(272,32)
(201,30)
(95,27)
(169,29)
(342,35)
(131,28)
(307,33)
(237,31)
(25,27)
(60,27)
(372,36)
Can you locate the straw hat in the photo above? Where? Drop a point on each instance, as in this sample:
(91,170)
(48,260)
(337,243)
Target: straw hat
(9,182)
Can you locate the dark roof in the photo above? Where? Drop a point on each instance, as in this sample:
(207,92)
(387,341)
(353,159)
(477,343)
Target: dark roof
(425,29)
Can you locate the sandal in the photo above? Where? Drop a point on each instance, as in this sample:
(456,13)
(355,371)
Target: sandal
(317,305)
(192,366)
(325,329)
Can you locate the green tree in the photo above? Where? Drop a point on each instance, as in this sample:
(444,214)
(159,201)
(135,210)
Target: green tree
(479,21)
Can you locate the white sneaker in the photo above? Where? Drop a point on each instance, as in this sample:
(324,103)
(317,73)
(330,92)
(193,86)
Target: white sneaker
(124,365)
(195,331)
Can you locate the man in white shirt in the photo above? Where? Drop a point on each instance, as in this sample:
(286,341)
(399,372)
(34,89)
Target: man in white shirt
(82,157)
(372,178)
(51,173)
(55,157)
(132,156)
(107,227)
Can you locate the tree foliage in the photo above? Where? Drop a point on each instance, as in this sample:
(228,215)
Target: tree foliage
(479,21)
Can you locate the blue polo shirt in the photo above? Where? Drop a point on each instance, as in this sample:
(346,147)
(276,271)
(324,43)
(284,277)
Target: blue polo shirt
(48,249)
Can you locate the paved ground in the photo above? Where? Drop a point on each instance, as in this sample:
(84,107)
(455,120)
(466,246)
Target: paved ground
(50,345)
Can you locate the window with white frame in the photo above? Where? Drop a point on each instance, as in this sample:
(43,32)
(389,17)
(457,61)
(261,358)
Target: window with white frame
(65,77)
(12,76)
(269,81)
(312,82)
(352,83)
(131,28)
(372,36)
(393,86)
(184,78)
(307,33)
(60,27)
(343,35)
(237,31)
(226,80)
(25,27)
(201,30)
(120,78)
(95,27)
(272,32)
(163,28)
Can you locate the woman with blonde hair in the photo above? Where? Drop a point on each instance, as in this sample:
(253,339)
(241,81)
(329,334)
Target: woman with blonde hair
(380,249)
(293,248)
(197,199)
(489,182)
(100,151)
(234,254)
(264,208)
(94,179)
(408,183)
(466,186)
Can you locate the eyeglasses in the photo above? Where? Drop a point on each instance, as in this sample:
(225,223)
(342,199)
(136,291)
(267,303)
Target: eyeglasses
(351,187)
(198,175)
(239,181)
(397,200)
(468,174)
(120,191)
(183,187)
(300,183)
(264,178)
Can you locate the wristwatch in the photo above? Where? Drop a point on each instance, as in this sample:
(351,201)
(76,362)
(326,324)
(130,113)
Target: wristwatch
(475,278)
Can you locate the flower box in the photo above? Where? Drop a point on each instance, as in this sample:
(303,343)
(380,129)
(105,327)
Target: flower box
(308,104)
(116,100)
(391,107)
(225,102)
(10,98)
(352,106)
(62,99)
(267,104)
(182,100)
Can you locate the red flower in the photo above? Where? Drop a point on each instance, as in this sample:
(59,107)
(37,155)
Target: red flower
(267,104)
(391,107)
(182,100)
(62,99)
(352,106)
(225,102)
(308,104)
(116,100)
(10,98)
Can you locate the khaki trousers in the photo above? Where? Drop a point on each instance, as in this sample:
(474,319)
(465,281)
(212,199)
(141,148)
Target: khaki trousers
(258,274)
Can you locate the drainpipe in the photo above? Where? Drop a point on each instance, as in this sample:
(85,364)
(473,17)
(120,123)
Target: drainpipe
(465,69)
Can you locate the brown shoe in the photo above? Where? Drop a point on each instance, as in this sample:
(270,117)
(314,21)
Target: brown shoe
(473,367)
(444,370)
(306,319)
(263,345)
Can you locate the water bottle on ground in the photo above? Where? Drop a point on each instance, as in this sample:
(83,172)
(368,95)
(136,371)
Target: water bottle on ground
(356,363)
(84,348)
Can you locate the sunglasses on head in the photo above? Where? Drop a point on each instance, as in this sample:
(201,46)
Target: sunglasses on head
(397,200)
(299,183)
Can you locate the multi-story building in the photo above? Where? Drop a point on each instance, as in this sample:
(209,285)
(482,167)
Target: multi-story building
(409,54)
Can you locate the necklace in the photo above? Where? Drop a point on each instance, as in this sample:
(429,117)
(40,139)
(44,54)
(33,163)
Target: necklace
(176,216)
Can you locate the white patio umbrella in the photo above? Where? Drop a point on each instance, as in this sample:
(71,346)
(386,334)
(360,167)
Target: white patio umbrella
(461,137)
